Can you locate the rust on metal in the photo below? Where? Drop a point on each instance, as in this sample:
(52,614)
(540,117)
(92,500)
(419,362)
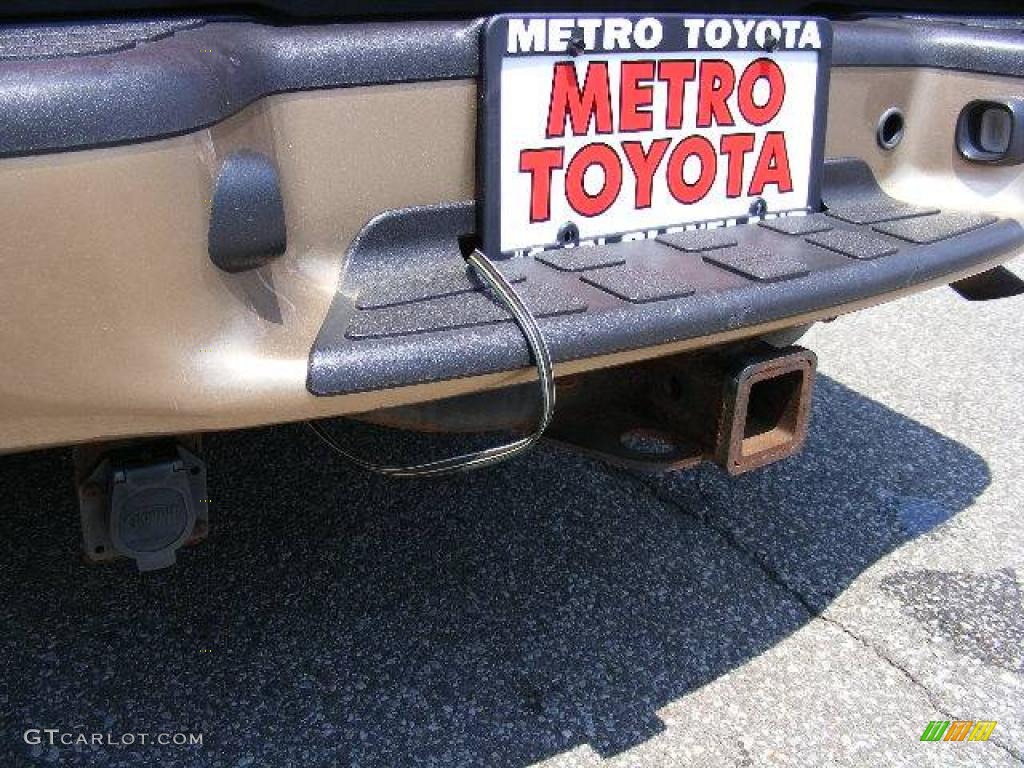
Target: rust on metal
(766,409)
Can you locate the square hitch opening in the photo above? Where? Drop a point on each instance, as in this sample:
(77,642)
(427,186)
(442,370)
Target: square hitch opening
(766,409)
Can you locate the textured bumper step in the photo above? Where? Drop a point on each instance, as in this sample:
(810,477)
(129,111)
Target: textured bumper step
(410,312)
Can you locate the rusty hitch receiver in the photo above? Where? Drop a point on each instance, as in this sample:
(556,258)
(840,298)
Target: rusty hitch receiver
(765,409)
(741,407)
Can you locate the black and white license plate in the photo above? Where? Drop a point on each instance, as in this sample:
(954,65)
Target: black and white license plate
(602,128)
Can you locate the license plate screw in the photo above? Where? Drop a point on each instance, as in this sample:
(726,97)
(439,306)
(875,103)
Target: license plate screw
(568,234)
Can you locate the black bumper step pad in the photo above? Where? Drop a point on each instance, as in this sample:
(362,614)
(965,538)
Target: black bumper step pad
(800,225)
(761,264)
(856,245)
(932,229)
(639,284)
(459,311)
(416,285)
(700,239)
(408,311)
(579,259)
(873,211)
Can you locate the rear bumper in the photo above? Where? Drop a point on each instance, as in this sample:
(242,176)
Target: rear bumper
(119,325)
(407,311)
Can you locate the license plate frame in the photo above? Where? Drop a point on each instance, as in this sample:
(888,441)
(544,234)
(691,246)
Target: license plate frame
(675,40)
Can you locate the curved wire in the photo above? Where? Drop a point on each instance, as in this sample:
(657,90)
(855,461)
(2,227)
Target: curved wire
(476,459)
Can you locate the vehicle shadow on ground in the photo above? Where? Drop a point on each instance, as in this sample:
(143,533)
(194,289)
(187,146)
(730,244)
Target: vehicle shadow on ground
(493,619)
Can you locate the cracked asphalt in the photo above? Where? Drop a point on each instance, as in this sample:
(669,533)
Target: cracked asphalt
(559,612)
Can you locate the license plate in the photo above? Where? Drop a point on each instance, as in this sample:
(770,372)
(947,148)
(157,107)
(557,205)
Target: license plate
(603,128)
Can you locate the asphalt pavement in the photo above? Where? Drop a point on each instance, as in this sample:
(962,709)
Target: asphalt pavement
(555,610)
